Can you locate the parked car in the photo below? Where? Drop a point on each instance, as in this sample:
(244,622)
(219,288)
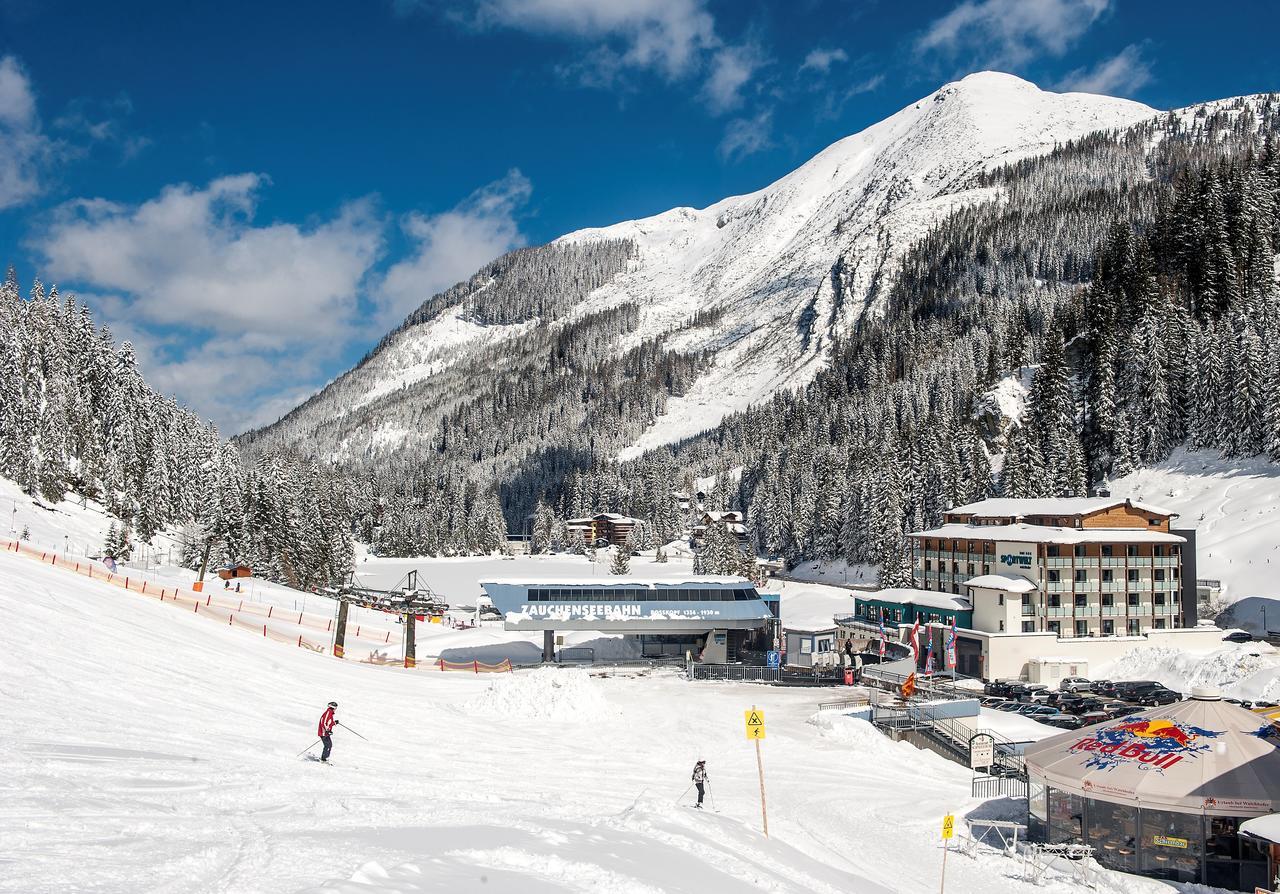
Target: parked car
(1042,712)
(1265,705)
(1071,684)
(1238,636)
(1156,697)
(1131,689)
(1093,717)
(1126,711)
(1010,707)
(1063,721)
(1031,708)
(990,701)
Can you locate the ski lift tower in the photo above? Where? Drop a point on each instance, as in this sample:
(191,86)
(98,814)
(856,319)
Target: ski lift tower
(408,599)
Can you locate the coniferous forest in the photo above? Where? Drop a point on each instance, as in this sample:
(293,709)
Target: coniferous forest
(1131,275)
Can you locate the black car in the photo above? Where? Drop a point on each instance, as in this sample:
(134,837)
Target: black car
(1132,689)
(1238,636)
(1156,697)
(1125,712)
(1063,721)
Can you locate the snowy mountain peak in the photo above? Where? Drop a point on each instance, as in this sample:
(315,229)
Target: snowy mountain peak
(757,283)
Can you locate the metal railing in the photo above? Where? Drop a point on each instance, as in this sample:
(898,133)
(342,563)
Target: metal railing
(741,673)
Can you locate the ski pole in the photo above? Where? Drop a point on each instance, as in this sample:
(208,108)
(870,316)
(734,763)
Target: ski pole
(683,793)
(712,796)
(350,730)
(308,748)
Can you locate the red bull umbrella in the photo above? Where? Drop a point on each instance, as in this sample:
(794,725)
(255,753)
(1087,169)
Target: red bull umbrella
(1202,755)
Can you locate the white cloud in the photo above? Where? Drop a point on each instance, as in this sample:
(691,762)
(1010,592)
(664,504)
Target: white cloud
(745,136)
(731,69)
(195,256)
(451,246)
(668,35)
(23,147)
(677,39)
(259,307)
(1010,32)
(820,60)
(1121,75)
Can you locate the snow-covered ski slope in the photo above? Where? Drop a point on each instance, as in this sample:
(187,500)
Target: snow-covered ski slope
(785,267)
(1234,505)
(146,750)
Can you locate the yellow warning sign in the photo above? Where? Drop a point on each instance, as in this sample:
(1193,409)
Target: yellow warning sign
(948,826)
(755,723)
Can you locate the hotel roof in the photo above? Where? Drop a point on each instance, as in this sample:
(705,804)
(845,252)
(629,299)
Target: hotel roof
(1022,533)
(1007,582)
(1019,508)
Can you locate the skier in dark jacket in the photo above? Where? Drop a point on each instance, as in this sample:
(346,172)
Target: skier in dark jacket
(700,780)
(325,730)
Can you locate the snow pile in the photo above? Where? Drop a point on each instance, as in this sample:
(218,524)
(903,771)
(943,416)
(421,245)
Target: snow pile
(855,732)
(543,694)
(1249,671)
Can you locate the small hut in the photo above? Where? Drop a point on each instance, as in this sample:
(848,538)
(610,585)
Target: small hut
(230,572)
(1162,793)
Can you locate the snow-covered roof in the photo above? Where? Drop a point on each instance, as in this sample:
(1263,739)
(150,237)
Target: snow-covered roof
(912,596)
(612,581)
(1010,583)
(1017,508)
(721,516)
(1021,533)
(1265,827)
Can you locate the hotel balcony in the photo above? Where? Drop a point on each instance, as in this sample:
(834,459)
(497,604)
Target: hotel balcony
(1167,561)
(1113,561)
(1058,611)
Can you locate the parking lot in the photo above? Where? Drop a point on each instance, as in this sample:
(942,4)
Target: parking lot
(1079,702)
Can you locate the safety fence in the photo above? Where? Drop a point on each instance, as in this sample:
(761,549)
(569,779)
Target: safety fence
(479,667)
(250,616)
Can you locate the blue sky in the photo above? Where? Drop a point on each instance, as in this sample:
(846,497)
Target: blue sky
(255,192)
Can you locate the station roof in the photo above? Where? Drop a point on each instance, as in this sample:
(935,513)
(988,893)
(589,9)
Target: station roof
(912,596)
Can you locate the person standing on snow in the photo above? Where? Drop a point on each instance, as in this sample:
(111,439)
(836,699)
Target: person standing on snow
(700,780)
(325,730)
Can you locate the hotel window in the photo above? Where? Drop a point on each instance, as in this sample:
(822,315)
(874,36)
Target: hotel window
(1055,601)
(970,568)
(1081,576)
(986,569)
(1133,600)
(1159,623)
(928,564)
(1159,574)
(1055,627)
(1079,551)
(1053,550)
(1082,601)
(1131,551)
(1133,575)
(1132,628)
(1107,575)
(1157,550)
(1159,599)
(1153,521)
(1108,600)
(1108,627)
(1054,576)
(1000,599)
(1175,550)
(955,567)
(1175,573)
(1106,549)
(1028,626)
(955,545)
(1002,626)
(1082,628)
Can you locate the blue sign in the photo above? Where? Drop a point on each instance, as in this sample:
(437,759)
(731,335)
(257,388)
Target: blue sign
(775,659)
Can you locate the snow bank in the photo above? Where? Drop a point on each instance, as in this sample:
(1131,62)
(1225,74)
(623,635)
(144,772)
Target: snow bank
(1249,671)
(854,732)
(543,694)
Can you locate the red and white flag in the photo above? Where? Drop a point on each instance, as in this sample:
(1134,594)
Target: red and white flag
(915,642)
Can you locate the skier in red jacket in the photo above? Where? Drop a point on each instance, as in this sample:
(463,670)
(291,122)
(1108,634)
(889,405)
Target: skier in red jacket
(325,730)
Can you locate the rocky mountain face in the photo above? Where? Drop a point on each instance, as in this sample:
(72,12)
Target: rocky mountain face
(718,308)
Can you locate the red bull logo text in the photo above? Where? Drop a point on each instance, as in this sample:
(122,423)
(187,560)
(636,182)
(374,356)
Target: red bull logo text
(1152,743)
